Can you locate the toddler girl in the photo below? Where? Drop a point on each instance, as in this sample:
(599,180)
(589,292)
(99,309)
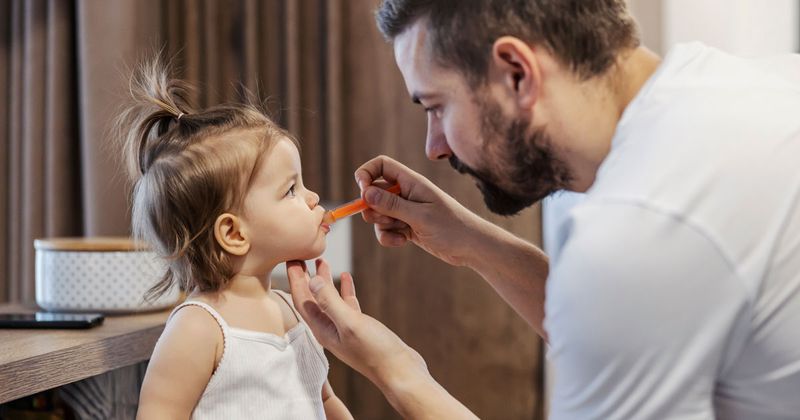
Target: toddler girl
(219,195)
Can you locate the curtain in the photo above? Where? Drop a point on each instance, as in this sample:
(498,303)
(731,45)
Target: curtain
(40,186)
(63,78)
(331,80)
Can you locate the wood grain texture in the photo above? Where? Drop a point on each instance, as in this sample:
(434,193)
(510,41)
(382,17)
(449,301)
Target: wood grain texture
(36,360)
(98,243)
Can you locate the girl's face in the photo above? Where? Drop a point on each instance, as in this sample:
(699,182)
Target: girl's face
(281,218)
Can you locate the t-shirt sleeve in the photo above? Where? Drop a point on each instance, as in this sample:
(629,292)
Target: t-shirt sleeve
(642,312)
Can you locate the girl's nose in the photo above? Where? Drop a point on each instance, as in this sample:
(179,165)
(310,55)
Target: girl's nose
(312,199)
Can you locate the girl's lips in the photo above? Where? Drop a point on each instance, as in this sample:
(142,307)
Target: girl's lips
(326,227)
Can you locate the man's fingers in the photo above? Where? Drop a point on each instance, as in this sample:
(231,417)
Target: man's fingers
(298,284)
(396,226)
(371,216)
(390,238)
(388,204)
(305,303)
(296,265)
(374,169)
(349,291)
(385,222)
(390,170)
(323,269)
(347,286)
(327,297)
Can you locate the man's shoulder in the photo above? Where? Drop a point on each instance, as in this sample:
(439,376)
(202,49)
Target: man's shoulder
(698,86)
(693,126)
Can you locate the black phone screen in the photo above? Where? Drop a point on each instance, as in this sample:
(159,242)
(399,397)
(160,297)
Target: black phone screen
(50,320)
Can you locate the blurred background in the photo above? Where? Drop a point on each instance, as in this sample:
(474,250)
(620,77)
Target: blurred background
(331,80)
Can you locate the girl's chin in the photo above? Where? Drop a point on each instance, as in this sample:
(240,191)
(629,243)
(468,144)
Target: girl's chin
(313,253)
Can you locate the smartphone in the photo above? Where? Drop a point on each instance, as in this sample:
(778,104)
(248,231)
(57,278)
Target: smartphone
(50,320)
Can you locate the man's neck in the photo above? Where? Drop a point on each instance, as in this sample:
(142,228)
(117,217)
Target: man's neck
(588,118)
(635,69)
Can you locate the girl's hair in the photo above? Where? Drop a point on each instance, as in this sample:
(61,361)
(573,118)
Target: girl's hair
(188,166)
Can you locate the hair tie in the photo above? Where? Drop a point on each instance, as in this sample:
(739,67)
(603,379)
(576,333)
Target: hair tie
(180,115)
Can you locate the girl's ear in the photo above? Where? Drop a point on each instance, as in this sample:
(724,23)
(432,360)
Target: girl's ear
(229,235)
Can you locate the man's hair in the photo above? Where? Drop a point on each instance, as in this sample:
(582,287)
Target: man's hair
(585,35)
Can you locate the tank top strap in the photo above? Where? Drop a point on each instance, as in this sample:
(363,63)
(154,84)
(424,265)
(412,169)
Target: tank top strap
(316,347)
(211,311)
(287,299)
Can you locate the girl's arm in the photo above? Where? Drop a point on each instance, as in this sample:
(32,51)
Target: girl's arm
(334,407)
(181,366)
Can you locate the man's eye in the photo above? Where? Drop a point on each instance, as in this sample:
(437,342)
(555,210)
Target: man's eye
(290,193)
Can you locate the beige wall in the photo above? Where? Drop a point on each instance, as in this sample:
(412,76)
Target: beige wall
(749,28)
(649,14)
(742,27)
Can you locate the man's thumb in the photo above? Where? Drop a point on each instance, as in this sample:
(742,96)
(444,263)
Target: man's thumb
(386,203)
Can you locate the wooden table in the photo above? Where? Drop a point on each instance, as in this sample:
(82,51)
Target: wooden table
(35,360)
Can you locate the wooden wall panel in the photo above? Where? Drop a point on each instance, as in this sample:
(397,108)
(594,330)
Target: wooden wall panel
(475,345)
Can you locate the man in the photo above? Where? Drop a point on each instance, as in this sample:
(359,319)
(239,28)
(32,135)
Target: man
(677,291)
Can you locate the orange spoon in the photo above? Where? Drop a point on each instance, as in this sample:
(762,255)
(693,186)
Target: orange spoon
(353,207)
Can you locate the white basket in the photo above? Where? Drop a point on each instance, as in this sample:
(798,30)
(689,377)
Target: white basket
(108,275)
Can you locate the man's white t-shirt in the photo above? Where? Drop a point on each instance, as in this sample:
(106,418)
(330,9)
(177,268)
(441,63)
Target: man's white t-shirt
(676,293)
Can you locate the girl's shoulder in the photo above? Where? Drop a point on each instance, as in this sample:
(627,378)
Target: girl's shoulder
(182,363)
(196,319)
(200,310)
(196,327)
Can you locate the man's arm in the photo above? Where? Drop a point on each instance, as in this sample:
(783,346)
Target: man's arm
(644,314)
(418,396)
(515,268)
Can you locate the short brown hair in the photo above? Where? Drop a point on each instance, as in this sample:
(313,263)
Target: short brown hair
(188,166)
(585,35)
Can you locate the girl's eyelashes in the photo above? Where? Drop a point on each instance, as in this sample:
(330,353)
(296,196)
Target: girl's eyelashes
(290,193)
(435,110)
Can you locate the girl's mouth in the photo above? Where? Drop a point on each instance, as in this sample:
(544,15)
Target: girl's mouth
(325,227)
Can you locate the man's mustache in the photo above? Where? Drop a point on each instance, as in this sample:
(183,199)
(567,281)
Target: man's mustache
(459,166)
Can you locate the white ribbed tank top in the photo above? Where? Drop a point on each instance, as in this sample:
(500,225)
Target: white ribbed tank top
(262,375)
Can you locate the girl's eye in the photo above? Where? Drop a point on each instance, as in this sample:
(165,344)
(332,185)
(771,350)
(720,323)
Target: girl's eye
(435,110)
(290,193)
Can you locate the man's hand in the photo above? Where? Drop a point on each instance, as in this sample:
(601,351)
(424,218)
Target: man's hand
(368,346)
(436,222)
(422,213)
(338,324)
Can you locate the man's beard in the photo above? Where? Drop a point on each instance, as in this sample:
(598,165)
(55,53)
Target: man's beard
(517,169)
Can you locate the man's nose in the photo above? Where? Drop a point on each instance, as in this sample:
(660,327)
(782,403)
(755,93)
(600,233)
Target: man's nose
(436,147)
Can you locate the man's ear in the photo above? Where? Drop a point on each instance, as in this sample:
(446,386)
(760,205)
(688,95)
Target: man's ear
(229,235)
(516,64)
